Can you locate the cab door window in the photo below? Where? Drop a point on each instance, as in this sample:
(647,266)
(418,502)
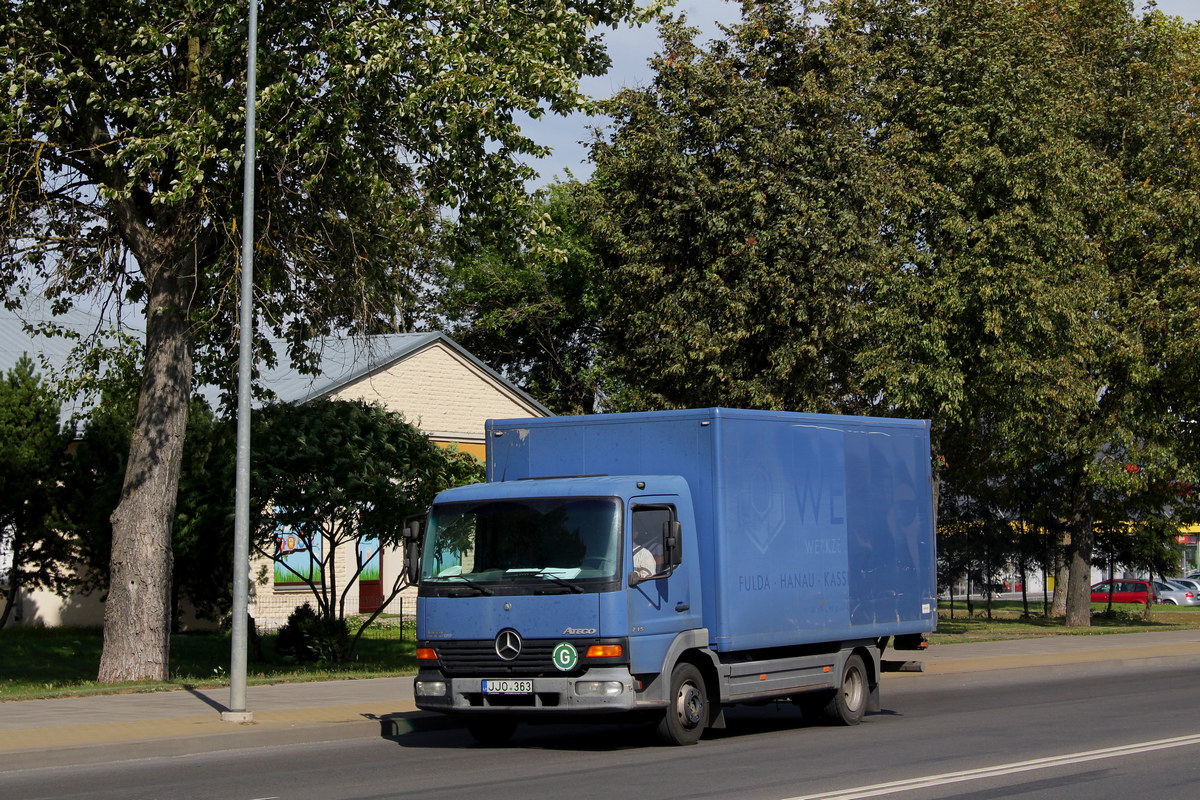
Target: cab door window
(648,538)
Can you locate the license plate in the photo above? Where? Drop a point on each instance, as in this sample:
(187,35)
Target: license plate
(507,687)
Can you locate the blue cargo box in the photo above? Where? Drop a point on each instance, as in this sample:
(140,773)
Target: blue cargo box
(811,527)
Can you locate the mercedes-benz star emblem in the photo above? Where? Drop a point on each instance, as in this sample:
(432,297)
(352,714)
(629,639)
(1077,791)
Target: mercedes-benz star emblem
(508,644)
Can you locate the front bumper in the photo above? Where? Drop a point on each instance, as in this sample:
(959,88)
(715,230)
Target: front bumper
(599,690)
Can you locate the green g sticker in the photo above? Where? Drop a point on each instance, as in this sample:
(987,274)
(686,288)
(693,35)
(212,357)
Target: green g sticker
(566,657)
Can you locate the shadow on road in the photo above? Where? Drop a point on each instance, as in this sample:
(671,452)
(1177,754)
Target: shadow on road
(421,730)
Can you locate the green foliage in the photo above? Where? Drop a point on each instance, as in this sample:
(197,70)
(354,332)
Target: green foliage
(335,472)
(307,638)
(736,203)
(325,461)
(33,455)
(202,536)
(984,214)
(1145,545)
(1122,615)
(123,132)
(984,313)
(121,148)
(535,314)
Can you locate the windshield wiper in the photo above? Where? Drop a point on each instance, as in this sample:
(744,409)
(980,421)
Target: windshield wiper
(473,584)
(560,581)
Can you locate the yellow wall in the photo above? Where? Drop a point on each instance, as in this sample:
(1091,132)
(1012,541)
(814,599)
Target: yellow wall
(477,450)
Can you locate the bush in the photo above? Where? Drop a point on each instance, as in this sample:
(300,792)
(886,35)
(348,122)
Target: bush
(308,638)
(1123,614)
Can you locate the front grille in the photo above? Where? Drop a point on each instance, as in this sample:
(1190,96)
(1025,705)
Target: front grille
(479,657)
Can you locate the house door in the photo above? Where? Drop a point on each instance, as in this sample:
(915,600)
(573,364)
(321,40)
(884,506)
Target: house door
(370,580)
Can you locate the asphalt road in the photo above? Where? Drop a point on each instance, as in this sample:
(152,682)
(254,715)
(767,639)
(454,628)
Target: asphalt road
(1095,729)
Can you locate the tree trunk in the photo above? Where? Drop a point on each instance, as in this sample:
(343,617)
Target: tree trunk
(14,578)
(1062,577)
(10,599)
(1079,559)
(1112,589)
(1024,590)
(137,616)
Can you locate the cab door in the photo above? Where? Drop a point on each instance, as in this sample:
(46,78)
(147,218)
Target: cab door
(660,605)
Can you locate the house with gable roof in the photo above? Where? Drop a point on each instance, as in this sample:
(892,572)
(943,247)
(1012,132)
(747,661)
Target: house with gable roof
(440,388)
(437,385)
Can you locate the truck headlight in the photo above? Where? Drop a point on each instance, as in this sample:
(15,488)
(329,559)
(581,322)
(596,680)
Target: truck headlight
(598,688)
(430,688)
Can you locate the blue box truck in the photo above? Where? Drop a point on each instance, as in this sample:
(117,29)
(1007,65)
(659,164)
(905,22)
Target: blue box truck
(669,564)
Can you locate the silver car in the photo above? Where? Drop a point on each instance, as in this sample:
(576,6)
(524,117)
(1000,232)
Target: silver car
(1190,583)
(1175,594)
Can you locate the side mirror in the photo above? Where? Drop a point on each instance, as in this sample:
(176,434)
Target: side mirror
(412,552)
(672,543)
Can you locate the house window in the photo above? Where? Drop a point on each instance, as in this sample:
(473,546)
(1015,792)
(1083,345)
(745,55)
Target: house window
(297,557)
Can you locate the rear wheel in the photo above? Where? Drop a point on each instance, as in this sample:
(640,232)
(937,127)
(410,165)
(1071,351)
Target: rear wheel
(687,707)
(849,701)
(491,732)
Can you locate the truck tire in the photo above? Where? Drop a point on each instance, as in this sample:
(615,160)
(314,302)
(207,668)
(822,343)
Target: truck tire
(849,701)
(491,731)
(687,707)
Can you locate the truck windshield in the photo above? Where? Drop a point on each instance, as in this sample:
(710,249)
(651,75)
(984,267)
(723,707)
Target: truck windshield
(556,541)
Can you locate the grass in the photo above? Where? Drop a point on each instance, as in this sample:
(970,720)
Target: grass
(57,662)
(1007,622)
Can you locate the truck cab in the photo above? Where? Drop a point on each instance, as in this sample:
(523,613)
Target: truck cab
(536,597)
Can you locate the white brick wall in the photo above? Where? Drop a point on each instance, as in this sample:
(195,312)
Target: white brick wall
(443,394)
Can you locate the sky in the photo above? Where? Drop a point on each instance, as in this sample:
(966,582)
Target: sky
(631,48)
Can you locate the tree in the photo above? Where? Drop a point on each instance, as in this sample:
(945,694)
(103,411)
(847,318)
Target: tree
(1139,117)
(737,204)
(121,156)
(980,319)
(202,534)
(1024,309)
(33,451)
(536,314)
(979,213)
(332,474)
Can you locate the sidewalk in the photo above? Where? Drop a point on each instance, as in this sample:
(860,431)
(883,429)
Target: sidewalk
(79,730)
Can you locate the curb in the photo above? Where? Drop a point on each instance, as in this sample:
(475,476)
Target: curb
(94,743)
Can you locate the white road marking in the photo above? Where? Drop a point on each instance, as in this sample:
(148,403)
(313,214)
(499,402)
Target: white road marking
(891,787)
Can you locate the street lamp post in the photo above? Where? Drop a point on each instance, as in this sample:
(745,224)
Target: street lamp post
(241,521)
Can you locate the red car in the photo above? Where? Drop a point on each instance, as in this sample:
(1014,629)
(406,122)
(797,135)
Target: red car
(1127,591)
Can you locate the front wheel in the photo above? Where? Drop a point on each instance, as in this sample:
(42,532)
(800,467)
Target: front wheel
(849,701)
(687,708)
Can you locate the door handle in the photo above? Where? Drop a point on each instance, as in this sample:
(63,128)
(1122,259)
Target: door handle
(681,607)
